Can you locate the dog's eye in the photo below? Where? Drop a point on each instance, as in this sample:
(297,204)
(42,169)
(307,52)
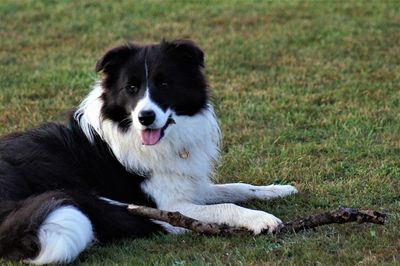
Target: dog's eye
(132,89)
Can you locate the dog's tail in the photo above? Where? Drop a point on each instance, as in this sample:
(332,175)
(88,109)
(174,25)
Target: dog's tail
(47,228)
(56,226)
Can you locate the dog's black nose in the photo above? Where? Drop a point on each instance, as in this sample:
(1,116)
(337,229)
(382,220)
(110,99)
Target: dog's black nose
(147,118)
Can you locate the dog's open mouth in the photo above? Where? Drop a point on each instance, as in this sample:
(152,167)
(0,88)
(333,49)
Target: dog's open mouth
(152,136)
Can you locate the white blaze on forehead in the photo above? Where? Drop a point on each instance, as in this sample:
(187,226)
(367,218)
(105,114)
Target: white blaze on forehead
(147,74)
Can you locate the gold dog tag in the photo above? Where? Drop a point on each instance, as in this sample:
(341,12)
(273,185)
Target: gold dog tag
(183,154)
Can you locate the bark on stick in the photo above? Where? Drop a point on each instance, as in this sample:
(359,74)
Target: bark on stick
(339,216)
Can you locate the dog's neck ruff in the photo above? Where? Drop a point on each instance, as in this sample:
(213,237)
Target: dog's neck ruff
(190,147)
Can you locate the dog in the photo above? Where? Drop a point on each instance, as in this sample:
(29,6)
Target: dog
(146,134)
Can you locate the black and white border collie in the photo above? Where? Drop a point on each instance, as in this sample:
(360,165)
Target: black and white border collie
(146,134)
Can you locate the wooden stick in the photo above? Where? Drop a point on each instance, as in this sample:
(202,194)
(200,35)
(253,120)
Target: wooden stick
(341,215)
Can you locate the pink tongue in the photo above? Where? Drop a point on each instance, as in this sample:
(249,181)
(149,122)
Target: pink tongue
(150,136)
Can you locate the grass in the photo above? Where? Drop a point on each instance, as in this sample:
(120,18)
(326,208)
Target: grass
(306,93)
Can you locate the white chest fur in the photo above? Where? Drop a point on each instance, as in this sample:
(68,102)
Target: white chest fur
(189,147)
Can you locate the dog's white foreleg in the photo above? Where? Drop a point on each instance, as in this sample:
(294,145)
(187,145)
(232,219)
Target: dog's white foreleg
(190,197)
(240,192)
(230,214)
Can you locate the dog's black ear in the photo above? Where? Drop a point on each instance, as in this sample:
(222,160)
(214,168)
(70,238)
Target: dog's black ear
(115,57)
(185,49)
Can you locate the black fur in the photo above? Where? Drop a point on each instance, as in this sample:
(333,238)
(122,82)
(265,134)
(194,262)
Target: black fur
(124,66)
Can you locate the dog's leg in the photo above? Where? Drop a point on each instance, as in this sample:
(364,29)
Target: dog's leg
(240,192)
(189,196)
(230,214)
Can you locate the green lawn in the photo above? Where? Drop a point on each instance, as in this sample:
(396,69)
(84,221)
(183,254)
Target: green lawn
(306,93)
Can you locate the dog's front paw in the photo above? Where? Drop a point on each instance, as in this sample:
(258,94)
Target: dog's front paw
(274,191)
(259,221)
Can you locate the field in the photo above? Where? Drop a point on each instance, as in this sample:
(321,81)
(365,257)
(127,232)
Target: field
(307,93)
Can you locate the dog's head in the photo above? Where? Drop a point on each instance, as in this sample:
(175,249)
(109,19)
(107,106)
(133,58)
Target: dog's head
(145,88)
